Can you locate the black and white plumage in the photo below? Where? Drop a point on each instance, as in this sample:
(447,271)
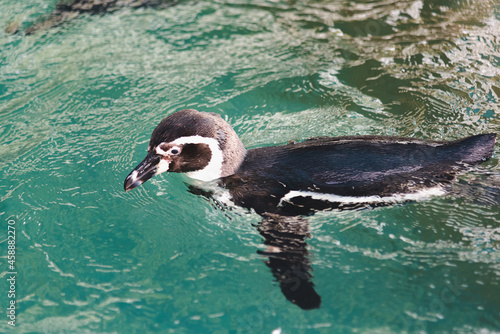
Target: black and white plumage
(283,183)
(298,178)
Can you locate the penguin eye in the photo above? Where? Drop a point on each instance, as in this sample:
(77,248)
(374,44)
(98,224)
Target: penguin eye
(175,150)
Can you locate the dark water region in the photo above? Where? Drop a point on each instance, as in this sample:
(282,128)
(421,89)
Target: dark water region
(67,10)
(80,98)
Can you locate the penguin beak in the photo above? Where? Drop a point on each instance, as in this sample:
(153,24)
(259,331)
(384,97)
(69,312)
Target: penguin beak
(143,172)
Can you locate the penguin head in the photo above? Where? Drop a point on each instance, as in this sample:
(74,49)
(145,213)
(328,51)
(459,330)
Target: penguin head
(202,145)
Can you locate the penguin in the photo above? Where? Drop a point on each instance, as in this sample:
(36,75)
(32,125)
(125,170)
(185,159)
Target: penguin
(286,183)
(316,174)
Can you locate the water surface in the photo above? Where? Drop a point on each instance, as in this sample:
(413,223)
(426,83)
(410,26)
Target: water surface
(78,103)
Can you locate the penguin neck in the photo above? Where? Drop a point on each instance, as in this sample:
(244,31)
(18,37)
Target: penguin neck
(233,152)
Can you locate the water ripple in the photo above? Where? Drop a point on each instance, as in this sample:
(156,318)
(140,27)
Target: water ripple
(79,102)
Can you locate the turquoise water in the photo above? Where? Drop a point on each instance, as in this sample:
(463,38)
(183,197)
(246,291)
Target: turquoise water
(78,103)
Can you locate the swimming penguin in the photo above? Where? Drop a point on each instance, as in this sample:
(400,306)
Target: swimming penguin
(299,178)
(284,183)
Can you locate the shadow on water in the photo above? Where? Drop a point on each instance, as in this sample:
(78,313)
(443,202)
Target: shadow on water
(67,10)
(286,248)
